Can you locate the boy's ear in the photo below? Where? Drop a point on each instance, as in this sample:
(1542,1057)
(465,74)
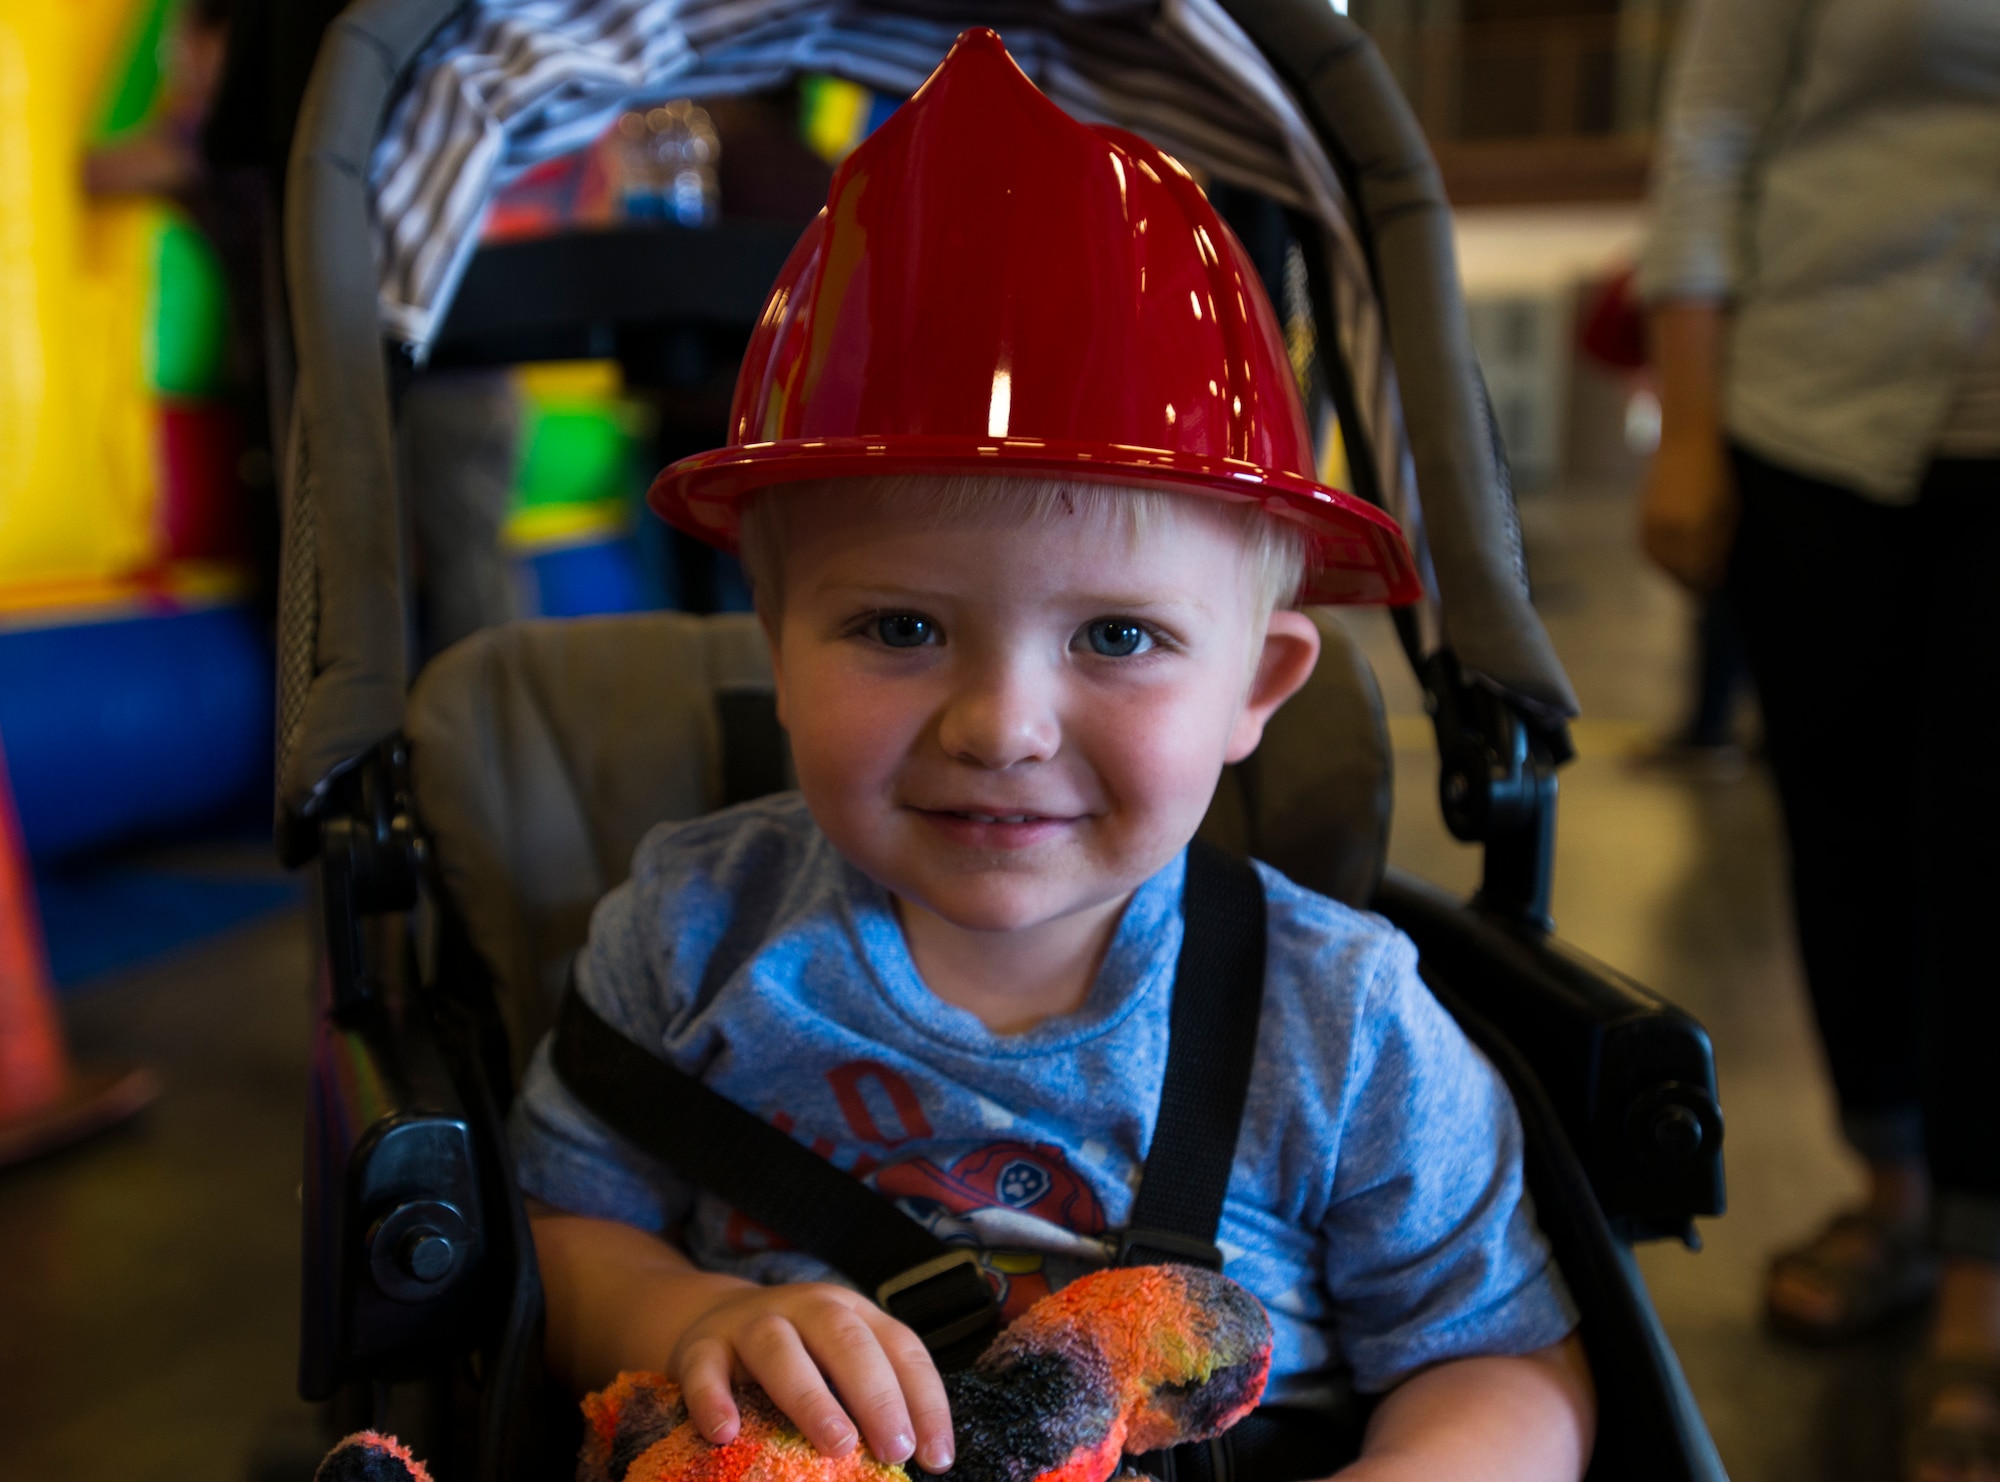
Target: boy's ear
(1291,650)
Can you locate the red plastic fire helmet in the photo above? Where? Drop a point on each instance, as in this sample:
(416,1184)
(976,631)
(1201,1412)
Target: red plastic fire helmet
(994,287)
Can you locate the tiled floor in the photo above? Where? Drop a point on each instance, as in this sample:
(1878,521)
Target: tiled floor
(148,1279)
(147,1282)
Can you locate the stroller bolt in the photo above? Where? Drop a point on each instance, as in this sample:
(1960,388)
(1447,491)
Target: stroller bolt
(1677,1131)
(419,1249)
(428,1256)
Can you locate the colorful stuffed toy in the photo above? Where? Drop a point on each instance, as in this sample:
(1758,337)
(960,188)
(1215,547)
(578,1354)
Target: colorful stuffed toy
(1121,1361)
(370,1456)
(1118,1362)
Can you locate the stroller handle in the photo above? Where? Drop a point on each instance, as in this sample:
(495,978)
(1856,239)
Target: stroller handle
(1473,536)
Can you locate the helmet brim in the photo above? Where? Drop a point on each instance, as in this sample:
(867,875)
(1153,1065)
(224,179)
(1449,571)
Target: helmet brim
(1357,553)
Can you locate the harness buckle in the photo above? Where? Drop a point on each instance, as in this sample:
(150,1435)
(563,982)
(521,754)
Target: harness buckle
(1164,1248)
(945,1301)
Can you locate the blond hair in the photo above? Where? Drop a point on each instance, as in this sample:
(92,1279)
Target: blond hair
(1276,552)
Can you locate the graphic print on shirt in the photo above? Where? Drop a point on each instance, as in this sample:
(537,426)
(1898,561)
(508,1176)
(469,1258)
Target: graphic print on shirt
(994,1197)
(1012,1200)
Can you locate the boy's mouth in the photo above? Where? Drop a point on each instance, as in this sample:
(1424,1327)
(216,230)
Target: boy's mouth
(993,815)
(982,828)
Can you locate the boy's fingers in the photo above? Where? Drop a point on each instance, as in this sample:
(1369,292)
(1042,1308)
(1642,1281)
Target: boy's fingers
(849,1352)
(923,1393)
(705,1390)
(776,1358)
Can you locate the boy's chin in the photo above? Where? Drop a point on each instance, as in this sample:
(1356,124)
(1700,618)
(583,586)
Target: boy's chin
(1003,904)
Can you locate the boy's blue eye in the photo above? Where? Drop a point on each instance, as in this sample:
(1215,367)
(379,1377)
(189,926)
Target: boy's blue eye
(1116,638)
(904,630)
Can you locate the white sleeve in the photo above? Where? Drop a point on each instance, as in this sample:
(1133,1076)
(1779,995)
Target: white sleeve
(1737,62)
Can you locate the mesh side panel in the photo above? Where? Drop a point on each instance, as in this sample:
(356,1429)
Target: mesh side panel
(1517,550)
(298,603)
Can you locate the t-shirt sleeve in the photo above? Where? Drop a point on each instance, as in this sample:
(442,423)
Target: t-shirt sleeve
(1432,1251)
(564,1155)
(1734,65)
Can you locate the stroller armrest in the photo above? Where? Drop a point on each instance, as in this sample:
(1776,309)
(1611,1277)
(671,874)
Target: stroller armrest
(1631,1077)
(393,1224)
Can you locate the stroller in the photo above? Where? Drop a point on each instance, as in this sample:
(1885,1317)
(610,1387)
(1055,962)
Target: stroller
(462,828)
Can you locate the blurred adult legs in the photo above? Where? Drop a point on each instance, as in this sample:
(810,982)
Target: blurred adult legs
(1721,674)
(1959,520)
(1874,635)
(1821,582)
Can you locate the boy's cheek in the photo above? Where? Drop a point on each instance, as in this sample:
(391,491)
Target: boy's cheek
(837,709)
(848,747)
(842,757)
(1160,745)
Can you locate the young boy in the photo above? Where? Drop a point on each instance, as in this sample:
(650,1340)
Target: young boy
(1022,484)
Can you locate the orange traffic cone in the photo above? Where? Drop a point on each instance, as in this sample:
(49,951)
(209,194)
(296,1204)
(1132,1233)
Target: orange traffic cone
(45,1102)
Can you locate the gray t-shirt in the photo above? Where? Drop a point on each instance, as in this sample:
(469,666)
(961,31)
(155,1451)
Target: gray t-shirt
(1376,1206)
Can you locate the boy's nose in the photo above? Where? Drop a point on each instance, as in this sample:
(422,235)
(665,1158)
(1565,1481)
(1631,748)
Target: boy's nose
(999,719)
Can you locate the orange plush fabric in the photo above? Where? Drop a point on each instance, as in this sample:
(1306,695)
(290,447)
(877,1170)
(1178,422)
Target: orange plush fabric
(638,1431)
(370,1456)
(1120,1361)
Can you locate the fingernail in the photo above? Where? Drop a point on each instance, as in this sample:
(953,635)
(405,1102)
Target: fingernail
(837,1441)
(938,1458)
(899,1448)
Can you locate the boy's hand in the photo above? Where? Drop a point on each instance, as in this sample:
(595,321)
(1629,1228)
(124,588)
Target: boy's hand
(815,1348)
(619,1298)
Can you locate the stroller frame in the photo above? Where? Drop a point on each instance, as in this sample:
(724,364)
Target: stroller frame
(411,1069)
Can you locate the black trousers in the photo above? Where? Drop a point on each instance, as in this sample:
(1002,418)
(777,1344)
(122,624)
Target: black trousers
(1874,637)
(1722,674)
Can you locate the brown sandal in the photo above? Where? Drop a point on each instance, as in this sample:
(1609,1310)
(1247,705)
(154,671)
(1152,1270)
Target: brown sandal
(1963,1447)
(1896,1277)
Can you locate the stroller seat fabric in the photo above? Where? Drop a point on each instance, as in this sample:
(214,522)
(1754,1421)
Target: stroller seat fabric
(541,752)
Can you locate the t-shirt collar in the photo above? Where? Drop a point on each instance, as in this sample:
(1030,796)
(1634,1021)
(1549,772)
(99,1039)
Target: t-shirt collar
(1143,952)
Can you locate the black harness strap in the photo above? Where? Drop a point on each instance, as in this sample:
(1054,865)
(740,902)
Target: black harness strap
(1273,1443)
(1211,1046)
(716,1145)
(754,749)
(934,1288)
